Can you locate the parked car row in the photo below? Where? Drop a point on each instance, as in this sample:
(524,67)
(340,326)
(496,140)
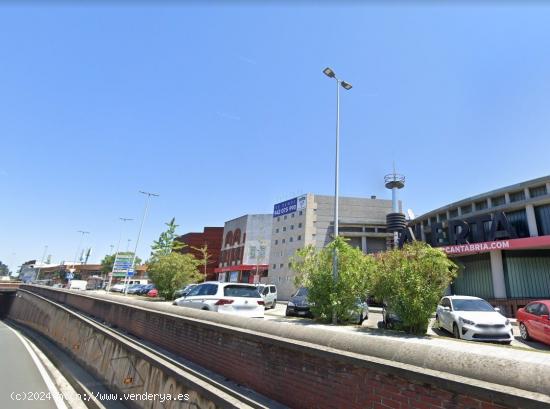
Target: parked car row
(137,289)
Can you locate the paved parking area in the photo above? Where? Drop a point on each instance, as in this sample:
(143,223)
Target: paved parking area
(278,315)
(370,326)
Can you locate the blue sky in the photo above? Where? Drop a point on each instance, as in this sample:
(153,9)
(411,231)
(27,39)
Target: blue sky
(223,110)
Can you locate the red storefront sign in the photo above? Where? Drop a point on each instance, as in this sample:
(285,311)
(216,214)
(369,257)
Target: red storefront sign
(513,244)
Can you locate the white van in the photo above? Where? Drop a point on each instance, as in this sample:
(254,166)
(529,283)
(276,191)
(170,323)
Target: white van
(269,294)
(77,284)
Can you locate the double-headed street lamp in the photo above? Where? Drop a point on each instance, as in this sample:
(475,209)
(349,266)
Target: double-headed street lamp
(347,86)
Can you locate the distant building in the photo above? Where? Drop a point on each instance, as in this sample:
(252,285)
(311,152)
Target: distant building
(212,237)
(245,250)
(309,219)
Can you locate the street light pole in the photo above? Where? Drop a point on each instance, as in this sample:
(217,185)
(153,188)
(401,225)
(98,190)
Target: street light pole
(148,194)
(77,250)
(41,262)
(124,220)
(347,86)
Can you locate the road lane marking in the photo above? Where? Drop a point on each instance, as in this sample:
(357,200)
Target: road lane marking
(45,376)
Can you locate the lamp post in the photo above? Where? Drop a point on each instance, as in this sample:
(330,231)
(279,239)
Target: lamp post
(77,250)
(148,194)
(41,262)
(123,220)
(347,86)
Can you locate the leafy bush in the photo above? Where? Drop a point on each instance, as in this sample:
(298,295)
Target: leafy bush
(168,269)
(170,272)
(314,268)
(412,280)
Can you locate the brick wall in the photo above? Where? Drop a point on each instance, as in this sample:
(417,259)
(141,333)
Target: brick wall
(294,373)
(212,237)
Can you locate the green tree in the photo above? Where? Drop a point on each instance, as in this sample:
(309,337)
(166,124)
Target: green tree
(109,259)
(168,269)
(167,240)
(171,272)
(412,280)
(4,270)
(205,257)
(314,271)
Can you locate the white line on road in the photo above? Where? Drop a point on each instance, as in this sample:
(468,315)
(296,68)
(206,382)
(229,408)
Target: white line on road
(45,376)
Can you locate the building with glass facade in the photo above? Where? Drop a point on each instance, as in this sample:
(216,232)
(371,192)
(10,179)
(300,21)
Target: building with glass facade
(499,239)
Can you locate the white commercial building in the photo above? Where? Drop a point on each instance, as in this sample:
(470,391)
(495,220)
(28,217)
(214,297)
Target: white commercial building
(309,219)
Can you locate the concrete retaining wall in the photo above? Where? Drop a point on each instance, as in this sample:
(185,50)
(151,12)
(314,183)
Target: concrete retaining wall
(122,366)
(306,368)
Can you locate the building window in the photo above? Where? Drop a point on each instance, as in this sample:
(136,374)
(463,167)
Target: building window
(466,209)
(370,229)
(381,230)
(537,191)
(498,201)
(276,242)
(300,213)
(518,219)
(281,265)
(542,214)
(299,238)
(283,240)
(291,239)
(274,266)
(482,204)
(289,265)
(291,227)
(453,213)
(284,228)
(292,216)
(517,196)
(285,217)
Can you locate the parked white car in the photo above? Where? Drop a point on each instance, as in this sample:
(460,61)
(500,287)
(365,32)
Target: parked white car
(226,298)
(269,294)
(77,285)
(118,288)
(473,319)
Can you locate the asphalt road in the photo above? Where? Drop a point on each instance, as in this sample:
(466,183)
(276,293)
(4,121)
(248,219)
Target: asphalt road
(20,376)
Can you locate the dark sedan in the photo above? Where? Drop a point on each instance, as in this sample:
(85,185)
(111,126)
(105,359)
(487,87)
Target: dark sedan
(299,304)
(145,289)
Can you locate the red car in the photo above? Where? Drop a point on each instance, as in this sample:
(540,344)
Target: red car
(534,321)
(153,293)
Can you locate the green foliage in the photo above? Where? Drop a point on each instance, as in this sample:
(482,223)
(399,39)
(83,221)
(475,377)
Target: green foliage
(109,259)
(314,268)
(4,270)
(412,280)
(170,272)
(167,240)
(205,257)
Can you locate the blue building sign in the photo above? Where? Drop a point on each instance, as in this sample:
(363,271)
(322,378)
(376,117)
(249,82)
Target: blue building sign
(289,206)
